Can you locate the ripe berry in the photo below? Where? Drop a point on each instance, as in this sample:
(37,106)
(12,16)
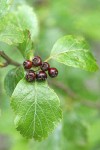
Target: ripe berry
(53,72)
(41,76)
(37,61)
(27,64)
(30,76)
(45,66)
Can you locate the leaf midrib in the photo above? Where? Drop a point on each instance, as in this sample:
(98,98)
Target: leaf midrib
(35,107)
(68,51)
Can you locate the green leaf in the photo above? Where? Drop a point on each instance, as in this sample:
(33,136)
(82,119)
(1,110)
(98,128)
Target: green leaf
(4,7)
(37,109)
(9,32)
(27,20)
(74,128)
(12,79)
(26,48)
(73,52)
(71,134)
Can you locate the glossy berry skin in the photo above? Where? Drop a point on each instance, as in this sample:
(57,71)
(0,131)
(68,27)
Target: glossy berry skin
(45,66)
(30,76)
(53,72)
(41,76)
(27,64)
(37,61)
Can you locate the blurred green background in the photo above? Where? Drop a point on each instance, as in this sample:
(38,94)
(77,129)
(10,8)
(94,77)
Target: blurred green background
(80,127)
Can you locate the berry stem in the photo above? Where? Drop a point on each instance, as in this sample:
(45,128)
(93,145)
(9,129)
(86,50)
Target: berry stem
(9,61)
(48,59)
(37,70)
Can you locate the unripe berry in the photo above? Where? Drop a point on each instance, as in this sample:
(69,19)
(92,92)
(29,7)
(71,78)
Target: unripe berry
(41,76)
(53,72)
(27,64)
(37,61)
(30,76)
(45,66)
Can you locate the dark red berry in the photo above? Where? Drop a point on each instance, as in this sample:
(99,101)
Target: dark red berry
(37,61)
(27,64)
(41,76)
(53,72)
(30,76)
(45,66)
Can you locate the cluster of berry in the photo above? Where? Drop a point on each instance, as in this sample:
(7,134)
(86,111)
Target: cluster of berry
(31,75)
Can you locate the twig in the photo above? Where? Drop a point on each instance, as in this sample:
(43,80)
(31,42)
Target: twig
(9,61)
(66,89)
(91,104)
(72,94)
